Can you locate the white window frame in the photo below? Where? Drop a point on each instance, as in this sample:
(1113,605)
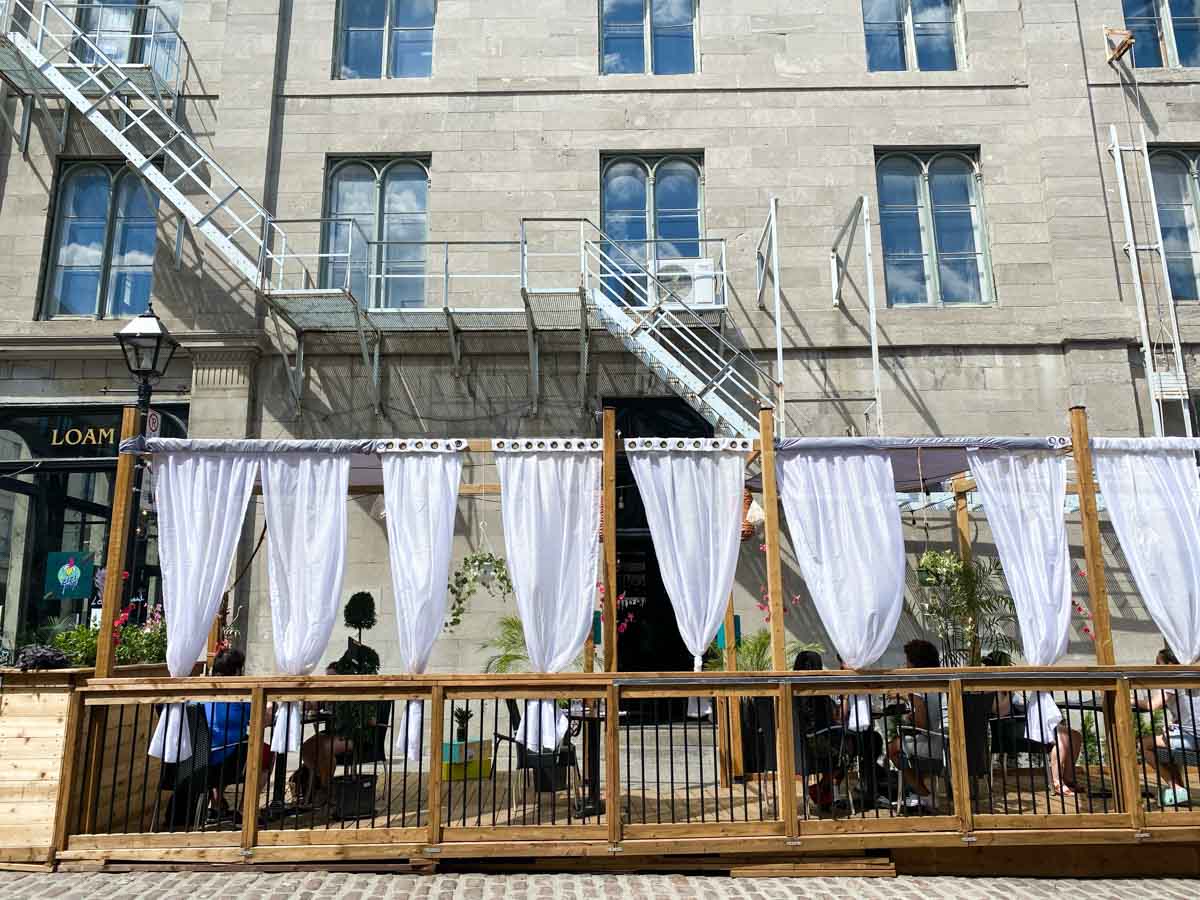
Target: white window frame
(339,38)
(929,249)
(380,166)
(648,41)
(910,38)
(651,163)
(117,171)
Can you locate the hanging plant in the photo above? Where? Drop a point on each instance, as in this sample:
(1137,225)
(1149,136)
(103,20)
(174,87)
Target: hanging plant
(483,569)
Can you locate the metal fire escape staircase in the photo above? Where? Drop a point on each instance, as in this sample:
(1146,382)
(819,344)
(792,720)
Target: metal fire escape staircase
(47,58)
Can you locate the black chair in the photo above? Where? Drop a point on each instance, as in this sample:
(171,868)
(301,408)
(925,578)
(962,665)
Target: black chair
(1008,739)
(375,750)
(186,780)
(550,768)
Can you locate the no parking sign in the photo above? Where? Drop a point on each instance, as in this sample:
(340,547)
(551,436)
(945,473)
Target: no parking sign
(153,423)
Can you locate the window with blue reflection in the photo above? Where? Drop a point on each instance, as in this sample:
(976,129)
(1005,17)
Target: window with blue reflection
(933,35)
(109,25)
(1185,22)
(671,28)
(386,36)
(900,227)
(624,26)
(623,36)
(1142,20)
(931,229)
(405,222)
(101,263)
(1174,188)
(378,215)
(884,24)
(955,223)
(677,210)
(131,269)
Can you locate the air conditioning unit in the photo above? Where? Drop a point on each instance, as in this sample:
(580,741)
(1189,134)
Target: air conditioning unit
(694,281)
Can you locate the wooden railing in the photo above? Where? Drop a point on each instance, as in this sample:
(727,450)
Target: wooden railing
(689,763)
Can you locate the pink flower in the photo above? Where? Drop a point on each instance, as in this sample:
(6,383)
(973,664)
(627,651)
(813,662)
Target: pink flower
(621,628)
(762,548)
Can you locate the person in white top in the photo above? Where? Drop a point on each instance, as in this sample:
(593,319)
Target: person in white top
(1180,733)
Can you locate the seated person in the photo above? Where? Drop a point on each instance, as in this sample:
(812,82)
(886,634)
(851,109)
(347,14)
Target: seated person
(925,740)
(228,724)
(1061,753)
(1180,733)
(337,726)
(815,740)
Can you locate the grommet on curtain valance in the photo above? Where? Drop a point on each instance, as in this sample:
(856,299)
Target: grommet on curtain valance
(689,445)
(547,445)
(421,445)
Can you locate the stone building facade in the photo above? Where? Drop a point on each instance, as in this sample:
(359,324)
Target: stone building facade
(518,119)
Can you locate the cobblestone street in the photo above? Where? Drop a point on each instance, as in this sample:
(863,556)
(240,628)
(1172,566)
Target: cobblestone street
(345,886)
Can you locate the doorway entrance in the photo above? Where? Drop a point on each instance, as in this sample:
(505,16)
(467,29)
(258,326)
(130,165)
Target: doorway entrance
(648,639)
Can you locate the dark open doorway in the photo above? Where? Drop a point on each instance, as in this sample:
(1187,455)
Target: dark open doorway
(648,639)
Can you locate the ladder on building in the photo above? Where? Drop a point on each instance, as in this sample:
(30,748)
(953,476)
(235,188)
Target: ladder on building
(1158,321)
(680,347)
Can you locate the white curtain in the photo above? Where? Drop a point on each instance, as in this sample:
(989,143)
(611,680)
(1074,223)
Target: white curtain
(844,522)
(693,502)
(1151,491)
(202,501)
(550,507)
(305,498)
(420,491)
(1024,495)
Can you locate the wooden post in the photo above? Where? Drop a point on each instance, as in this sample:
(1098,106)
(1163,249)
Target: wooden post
(962,526)
(612,756)
(766,428)
(785,760)
(960,776)
(729,720)
(1125,743)
(438,711)
(214,636)
(1092,550)
(118,539)
(609,500)
(68,789)
(254,739)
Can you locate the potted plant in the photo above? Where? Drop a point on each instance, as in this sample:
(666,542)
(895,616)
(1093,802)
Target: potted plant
(964,605)
(462,719)
(362,724)
(483,569)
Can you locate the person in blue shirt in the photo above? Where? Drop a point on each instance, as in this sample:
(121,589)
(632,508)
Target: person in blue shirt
(228,724)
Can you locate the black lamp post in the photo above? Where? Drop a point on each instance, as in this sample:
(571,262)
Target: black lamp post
(148,349)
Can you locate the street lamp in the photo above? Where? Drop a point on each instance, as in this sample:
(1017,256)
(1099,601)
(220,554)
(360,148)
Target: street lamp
(149,349)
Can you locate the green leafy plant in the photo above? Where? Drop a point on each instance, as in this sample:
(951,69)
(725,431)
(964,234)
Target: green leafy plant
(509,644)
(965,606)
(462,719)
(1091,751)
(483,569)
(79,645)
(754,652)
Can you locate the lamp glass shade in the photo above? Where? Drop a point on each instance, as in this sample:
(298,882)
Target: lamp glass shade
(147,346)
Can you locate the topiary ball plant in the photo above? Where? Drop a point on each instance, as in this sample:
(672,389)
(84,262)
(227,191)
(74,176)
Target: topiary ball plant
(360,612)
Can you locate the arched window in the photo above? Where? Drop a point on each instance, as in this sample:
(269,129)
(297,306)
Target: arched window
(677,209)
(1175,190)
(101,262)
(131,270)
(383,208)
(624,207)
(931,228)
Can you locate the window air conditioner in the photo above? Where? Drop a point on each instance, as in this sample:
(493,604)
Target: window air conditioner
(694,281)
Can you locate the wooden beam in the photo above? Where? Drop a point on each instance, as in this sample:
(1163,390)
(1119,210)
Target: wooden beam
(962,526)
(766,427)
(118,538)
(1092,550)
(609,515)
(1126,746)
(437,709)
(68,791)
(254,740)
(959,774)
(729,726)
(612,757)
(785,761)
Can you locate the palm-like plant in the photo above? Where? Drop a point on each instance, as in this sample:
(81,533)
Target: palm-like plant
(509,644)
(965,606)
(754,653)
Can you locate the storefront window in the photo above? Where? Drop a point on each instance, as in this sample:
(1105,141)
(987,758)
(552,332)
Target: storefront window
(57,466)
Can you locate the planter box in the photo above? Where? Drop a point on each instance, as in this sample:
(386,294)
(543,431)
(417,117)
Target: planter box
(462,760)
(353,796)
